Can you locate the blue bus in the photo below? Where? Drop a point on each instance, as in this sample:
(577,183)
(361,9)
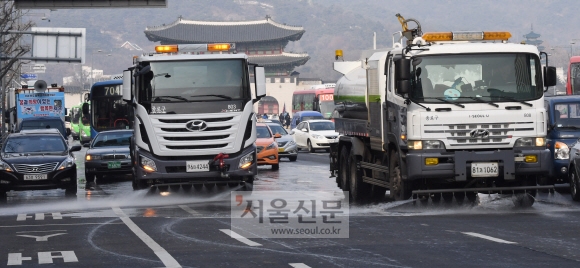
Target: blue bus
(107,110)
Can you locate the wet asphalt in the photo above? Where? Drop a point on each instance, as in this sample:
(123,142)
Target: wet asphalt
(109,225)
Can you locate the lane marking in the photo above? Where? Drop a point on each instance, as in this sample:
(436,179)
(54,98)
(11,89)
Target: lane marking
(67,256)
(189,210)
(40,238)
(41,231)
(39,216)
(58,224)
(161,253)
(299,265)
(489,238)
(240,238)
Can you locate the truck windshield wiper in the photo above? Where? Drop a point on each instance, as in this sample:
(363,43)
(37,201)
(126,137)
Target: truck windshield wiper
(450,102)
(483,101)
(214,95)
(513,99)
(167,98)
(408,101)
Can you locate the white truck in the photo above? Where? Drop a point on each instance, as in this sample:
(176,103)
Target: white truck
(193,114)
(443,115)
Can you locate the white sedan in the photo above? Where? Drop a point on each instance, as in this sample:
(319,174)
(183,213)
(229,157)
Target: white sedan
(315,134)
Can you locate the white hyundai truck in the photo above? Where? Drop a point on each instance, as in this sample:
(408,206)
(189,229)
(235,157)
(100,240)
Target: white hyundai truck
(194,122)
(442,115)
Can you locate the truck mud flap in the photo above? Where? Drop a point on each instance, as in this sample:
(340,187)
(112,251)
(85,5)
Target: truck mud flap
(500,190)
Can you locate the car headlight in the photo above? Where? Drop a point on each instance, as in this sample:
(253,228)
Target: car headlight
(68,162)
(425,145)
(272,146)
(90,157)
(561,150)
(246,161)
(530,142)
(5,167)
(148,164)
(290,143)
(318,137)
(84,134)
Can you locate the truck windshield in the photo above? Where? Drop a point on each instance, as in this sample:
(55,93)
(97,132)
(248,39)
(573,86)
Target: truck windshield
(567,115)
(469,78)
(198,80)
(75,115)
(575,78)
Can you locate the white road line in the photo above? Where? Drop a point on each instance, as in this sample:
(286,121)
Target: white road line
(161,253)
(58,224)
(41,231)
(240,238)
(299,265)
(489,238)
(189,210)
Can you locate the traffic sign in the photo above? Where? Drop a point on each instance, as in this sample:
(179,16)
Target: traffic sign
(39,68)
(29,76)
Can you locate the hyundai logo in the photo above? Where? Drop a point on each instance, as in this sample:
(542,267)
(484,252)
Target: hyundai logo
(479,133)
(196,125)
(34,169)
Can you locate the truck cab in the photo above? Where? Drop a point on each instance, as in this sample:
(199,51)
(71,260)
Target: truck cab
(563,131)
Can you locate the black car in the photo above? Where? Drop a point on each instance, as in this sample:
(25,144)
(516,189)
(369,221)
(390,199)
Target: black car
(37,160)
(45,122)
(108,153)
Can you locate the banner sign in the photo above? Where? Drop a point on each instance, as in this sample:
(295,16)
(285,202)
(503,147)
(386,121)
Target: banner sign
(40,104)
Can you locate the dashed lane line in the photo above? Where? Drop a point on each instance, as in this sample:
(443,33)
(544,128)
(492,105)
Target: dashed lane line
(489,238)
(189,210)
(299,265)
(240,238)
(161,253)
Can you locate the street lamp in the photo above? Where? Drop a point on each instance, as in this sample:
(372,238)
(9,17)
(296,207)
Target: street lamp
(92,63)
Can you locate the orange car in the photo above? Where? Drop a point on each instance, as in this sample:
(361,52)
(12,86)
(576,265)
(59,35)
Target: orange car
(267,146)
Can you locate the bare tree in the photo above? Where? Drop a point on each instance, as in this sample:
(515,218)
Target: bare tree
(11,47)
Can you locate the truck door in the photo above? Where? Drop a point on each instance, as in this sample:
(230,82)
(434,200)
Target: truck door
(374,106)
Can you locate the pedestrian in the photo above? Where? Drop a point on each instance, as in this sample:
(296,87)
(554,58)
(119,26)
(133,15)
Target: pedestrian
(264,116)
(287,121)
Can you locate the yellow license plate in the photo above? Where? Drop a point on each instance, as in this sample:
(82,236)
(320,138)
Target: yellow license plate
(280,150)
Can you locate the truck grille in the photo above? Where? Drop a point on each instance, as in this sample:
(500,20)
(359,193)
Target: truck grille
(477,134)
(35,169)
(219,134)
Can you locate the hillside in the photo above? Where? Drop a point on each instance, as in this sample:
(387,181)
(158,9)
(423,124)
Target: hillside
(329,24)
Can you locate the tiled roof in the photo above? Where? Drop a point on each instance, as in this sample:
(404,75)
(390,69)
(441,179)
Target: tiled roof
(188,31)
(279,59)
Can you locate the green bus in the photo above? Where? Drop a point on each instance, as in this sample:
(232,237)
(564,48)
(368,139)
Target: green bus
(75,119)
(84,124)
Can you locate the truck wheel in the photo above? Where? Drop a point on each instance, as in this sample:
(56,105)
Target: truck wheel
(358,189)
(310,148)
(400,190)
(292,158)
(574,184)
(343,168)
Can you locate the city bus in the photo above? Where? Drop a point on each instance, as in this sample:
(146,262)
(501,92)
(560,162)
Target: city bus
(573,81)
(75,118)
(107,110)
(319,98)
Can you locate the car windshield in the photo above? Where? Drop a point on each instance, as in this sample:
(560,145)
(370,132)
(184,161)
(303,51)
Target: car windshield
(43,124)
(575,78)
(263,132)
(320,126)
(469,78)
(277,129)
(567,115)
(313,117)
(326,108)
(112,139)
(34,144)
(198,80)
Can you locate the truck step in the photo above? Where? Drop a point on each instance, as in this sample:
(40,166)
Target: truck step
(374,167)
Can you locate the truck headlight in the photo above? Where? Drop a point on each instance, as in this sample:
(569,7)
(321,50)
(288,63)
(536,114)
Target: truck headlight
(272,146)
(246,161)
(148,164)
(561,150)
(5,167)
(90,157)
(530,142)
(425,145)
(68,162)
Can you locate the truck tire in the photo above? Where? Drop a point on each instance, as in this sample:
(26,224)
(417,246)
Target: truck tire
(359,191)
(400,190)
(574,184)
(343,168)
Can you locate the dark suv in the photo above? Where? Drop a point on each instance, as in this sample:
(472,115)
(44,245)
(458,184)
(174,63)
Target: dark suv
(37,160)
(45,122)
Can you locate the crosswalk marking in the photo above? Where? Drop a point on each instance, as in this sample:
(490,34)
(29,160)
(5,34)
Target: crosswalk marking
(240,238)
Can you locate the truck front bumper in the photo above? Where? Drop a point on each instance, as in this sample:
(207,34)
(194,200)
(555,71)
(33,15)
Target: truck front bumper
(457,164)
(171,170)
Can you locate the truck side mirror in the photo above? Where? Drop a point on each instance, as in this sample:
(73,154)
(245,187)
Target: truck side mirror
(260,76)
(85,108)
(402,76)
(127,85)
(550,78)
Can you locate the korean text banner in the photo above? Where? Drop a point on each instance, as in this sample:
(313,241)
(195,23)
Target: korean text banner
(40,104)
